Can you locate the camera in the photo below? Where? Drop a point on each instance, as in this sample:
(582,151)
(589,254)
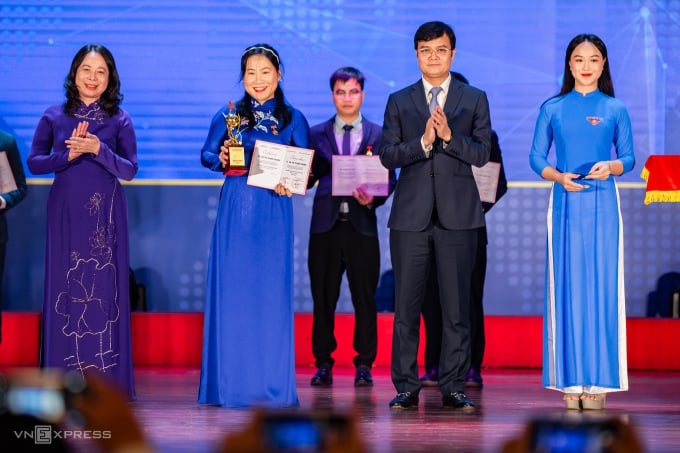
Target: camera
(44,394)
(571,436)
(285,431)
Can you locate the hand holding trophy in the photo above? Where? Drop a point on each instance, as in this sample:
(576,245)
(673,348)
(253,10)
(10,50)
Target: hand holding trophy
(235,162)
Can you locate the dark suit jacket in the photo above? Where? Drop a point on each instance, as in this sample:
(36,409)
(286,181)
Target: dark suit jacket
(326,207)
(446,176)
(9,145)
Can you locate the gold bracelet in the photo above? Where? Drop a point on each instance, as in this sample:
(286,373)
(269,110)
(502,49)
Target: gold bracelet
(611,169)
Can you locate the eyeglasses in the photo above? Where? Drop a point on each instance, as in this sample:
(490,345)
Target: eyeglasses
(439,51)
(351,93)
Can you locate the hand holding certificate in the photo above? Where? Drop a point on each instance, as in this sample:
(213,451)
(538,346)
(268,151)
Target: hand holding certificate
(275,164)
(7,182)
(486,178)
(366,172)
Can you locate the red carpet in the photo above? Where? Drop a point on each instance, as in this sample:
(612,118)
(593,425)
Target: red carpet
(175,339)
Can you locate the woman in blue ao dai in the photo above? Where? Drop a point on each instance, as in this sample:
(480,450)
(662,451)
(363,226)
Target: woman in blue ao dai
(584,350)
(248,339)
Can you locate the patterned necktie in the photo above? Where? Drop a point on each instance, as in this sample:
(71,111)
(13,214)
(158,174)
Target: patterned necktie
(345,139)
(434,91)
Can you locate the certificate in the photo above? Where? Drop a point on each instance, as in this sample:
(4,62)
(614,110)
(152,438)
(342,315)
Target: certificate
(7,182)
(367,172)
(274,163)
(486,178)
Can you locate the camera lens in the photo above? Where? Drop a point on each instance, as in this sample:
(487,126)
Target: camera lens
(74,383)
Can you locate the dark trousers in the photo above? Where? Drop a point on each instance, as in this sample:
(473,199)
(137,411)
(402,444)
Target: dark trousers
(330,255)
(433,318)
(413,253)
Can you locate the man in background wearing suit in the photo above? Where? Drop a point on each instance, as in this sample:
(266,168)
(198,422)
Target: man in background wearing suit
(343,233)
(434,130)
(9,199)
(432,308)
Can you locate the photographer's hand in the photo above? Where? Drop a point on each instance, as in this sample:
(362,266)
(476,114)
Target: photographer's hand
(105,409)
(247,440)
(625,440)
(347,441)
(520,444)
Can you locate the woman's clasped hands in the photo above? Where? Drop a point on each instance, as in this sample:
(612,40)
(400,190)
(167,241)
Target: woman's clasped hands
(82,142)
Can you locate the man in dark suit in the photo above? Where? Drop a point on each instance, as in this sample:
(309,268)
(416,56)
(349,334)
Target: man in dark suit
(434,130)
(432,308)
(9,198)
(343,233)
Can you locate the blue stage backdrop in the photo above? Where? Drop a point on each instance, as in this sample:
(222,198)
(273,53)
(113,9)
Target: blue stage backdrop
(179,62)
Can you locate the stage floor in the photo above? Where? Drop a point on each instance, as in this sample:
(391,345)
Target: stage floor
(174,422)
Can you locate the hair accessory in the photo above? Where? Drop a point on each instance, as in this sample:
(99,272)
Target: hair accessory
(262,48)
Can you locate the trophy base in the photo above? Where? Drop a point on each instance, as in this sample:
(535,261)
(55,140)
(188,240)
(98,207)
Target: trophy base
(237,162)
(235,171)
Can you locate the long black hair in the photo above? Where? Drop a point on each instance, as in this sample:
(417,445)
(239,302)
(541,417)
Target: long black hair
(282,111)
(604,83)
(110,98)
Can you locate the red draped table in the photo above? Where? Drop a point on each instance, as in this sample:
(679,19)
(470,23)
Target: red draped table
(662,174)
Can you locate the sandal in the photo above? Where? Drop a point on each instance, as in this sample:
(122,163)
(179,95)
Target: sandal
(593,401)
(573,400)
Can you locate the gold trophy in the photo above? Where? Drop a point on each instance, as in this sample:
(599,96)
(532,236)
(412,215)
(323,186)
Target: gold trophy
(236,166)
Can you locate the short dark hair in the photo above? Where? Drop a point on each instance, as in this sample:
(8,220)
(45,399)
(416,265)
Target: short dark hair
(345,74)
(433,30)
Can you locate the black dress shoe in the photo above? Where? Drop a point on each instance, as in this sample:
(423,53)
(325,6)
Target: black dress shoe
(363,377)
(323,376)
(406,400)
(458,400)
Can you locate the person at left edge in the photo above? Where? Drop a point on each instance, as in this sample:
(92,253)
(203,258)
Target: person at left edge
(248,338)
(88,142)
(9,199)
(343,233)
